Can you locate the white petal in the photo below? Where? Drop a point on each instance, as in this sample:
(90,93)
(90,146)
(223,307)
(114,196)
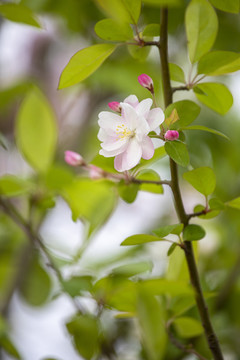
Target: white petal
(131,155)
(142,129)
(118,163)
(144,107)
(155,118)
(108,153)
(129,115)
(131,100)
(109,121)
(112,144)
(147,148)
(102,135)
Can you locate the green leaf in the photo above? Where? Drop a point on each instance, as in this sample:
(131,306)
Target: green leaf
(164,2)
(151,317)
(84,330)
(158,154)
(36,131)
(231,6)
(171,249)
(84,63)
(187,111)
(139,53)
(150,175)
(104,163)
(178,152)
(193,232)
(168,229)
(219,63)
(216,204)
(3,141)
(77,284)
(124,10)
(151,30)
(57,177)
(8,346)
(109,29)
(90,200)
(128,192)
(165,286)
(19,13)
(11,185)
(209,215)
(140,239)
(176,73)
(36,285)
(204,128)
(201,27)
(235,203)
(215,96)
(202,179)
(188,327)
(132,269)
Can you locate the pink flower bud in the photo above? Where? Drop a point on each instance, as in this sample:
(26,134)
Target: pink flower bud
(171,135)
(95,172)
(115,106)
(145,81)
(74,159)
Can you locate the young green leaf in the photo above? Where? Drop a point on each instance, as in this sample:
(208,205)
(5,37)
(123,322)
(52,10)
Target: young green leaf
(209,215)
(231,6)
(151,30)
(218,63)
(187,111)
(176,73)
(112,30)
(201,27)
(36,285)
(140,239)
(90,200)
(36,131)
(77,284)
(193,232)
(171,249)
(205,128)
(168,229)
(9,347)
(84,63)
(151,317)
(11,185)
(128,192)
(132,269)
(150,175)
(215,96)
(164,2)
(123,11)
(235,203)
(85,332)
(188,327)
(202,179)
(139,53)
(178,152)
(19,13)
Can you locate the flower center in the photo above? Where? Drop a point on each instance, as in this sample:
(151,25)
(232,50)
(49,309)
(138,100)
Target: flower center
(123,132)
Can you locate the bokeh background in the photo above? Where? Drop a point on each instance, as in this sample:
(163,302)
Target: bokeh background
(29,55)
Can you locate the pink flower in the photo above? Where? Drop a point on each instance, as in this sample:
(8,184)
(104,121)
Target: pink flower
(147,82)
(74,159)
(115,106)
(126,136)
(95,172)
(171,135)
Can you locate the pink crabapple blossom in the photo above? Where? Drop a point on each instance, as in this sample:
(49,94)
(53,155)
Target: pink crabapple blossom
(147,82)
(171,135)
(74,159)
(125,136)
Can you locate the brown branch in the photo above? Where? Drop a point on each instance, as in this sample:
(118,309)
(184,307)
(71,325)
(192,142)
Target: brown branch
(188,249)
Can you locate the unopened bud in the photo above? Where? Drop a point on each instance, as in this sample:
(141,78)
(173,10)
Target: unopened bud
(147,82)
(115,106)
(171,135)
(74,159)
(95,172)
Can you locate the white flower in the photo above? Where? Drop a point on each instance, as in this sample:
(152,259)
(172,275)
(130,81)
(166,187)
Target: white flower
(125,136)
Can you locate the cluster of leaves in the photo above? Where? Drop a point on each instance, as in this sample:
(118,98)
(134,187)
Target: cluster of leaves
(123,292)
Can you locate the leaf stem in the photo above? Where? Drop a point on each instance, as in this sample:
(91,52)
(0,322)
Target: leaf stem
(183,217)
